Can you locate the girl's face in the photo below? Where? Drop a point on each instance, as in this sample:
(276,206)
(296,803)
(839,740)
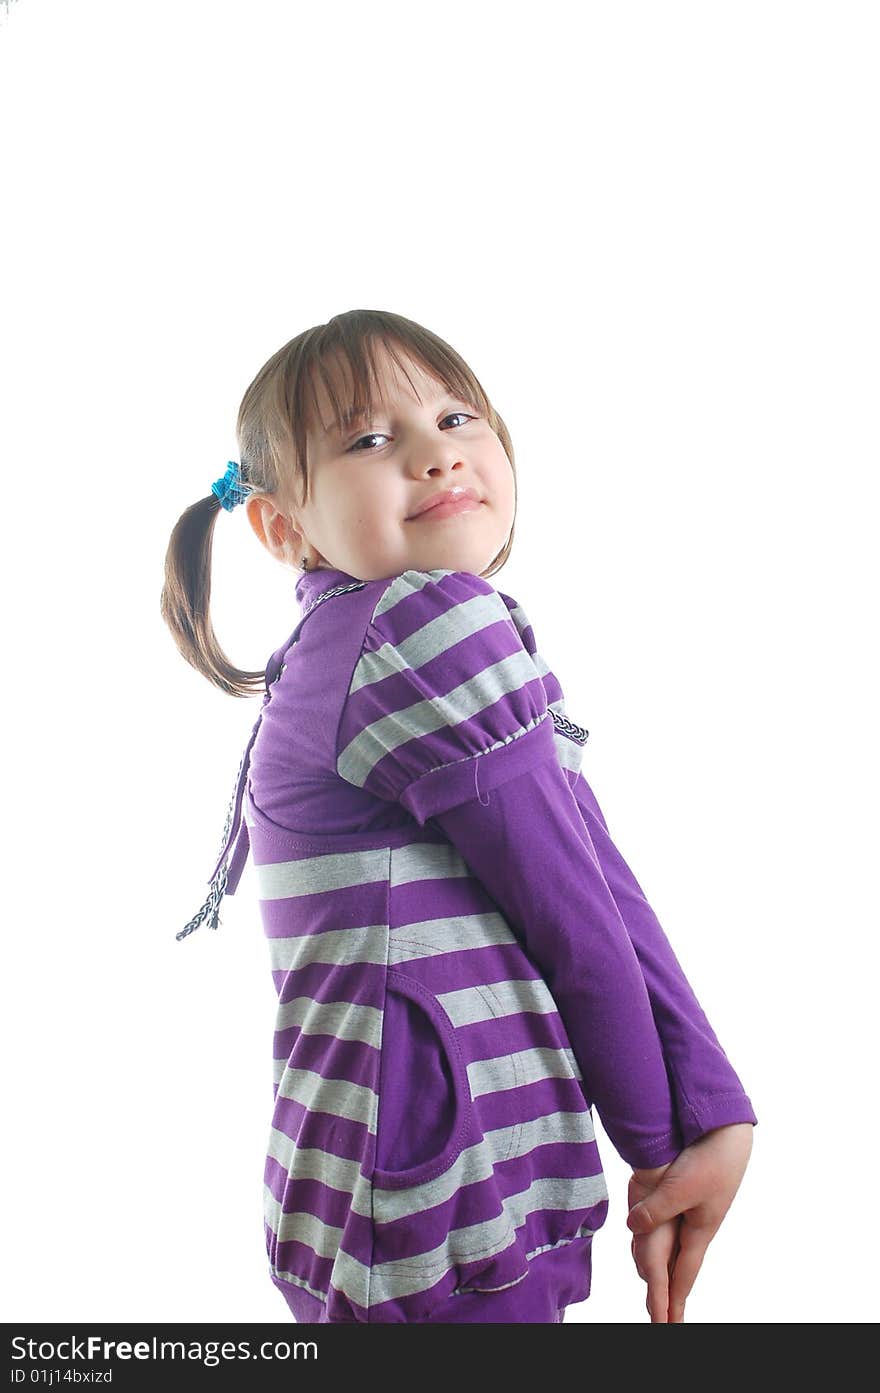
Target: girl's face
(368,483)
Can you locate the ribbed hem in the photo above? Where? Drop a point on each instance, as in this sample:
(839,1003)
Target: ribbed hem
(557,1277)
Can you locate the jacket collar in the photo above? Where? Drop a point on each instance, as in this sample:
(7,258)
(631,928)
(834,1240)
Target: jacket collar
(311,584)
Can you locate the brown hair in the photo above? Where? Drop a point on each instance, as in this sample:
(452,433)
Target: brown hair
(271,429)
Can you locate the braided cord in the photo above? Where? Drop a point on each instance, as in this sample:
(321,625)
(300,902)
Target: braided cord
(566,727)
(210,910)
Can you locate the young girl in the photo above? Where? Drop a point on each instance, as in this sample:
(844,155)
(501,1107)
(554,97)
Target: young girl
(464,962)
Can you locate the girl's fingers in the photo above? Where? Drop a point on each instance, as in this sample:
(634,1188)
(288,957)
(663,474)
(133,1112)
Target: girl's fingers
(652,1255)
(670,1266)
(693,1243)
(678,1191)
(675,1309)
(657,1301)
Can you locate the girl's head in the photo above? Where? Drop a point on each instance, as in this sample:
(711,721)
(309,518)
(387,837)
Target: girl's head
(343,434)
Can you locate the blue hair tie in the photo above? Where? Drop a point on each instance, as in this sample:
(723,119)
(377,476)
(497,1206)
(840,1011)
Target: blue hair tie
(231,489)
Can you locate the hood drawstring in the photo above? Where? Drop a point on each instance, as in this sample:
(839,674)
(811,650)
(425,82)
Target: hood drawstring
(225,876)
(566,727)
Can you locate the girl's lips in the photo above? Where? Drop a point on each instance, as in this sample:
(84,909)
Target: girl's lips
(445,510)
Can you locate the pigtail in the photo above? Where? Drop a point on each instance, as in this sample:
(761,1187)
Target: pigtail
(186,596)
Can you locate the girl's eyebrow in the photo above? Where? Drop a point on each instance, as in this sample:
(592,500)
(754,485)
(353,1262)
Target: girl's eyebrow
(352,418)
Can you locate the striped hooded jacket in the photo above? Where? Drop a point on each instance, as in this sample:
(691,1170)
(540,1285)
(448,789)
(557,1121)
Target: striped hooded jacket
(465,965)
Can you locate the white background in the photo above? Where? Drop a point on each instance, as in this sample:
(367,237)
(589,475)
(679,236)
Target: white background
(652,230)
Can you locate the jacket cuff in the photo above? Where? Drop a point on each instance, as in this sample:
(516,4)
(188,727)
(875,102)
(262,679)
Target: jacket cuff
(449,785)
(644,1154)
(717,1110)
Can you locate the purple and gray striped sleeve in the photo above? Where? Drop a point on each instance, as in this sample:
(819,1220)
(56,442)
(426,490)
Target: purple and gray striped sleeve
(446,710)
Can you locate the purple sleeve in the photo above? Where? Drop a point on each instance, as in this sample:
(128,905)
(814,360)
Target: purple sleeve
(530,848)
(708,1092)
(447,715)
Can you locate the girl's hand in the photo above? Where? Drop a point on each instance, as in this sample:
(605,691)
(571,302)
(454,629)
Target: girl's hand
(654,1252)
(694,1192)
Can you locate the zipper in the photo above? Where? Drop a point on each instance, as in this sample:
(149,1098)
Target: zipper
(235,839)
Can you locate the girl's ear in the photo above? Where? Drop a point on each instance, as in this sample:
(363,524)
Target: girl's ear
(276,530)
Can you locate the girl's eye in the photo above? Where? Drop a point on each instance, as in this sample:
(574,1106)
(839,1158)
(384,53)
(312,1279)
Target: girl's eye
(374,435)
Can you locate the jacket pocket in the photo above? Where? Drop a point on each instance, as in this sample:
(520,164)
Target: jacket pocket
(424,1107)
